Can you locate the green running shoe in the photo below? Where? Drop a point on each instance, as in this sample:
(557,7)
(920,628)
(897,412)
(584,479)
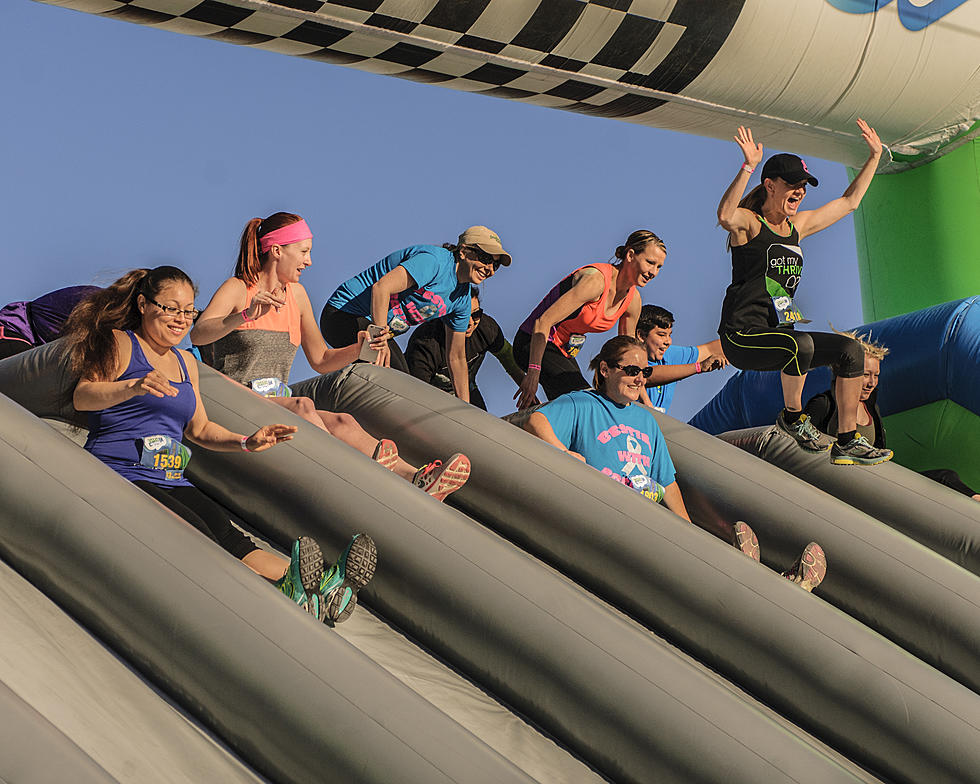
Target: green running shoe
(304,573)
(351,572)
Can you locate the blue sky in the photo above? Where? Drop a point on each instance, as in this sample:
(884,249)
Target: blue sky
(126,146)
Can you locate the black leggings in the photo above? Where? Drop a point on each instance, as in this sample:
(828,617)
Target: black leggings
(340,329)
(10,347)
(559,374)
(948,477)
(203,513)
(793,352)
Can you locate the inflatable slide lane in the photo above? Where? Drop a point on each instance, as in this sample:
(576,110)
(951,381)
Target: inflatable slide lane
(288,695)
(818,664)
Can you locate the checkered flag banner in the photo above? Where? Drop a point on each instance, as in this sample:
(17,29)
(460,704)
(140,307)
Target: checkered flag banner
(797,72)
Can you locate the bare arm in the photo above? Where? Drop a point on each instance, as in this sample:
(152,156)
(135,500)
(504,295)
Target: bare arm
(224,312)
(393,282)
(210,435)
(321,357)
(811,221)
(710,357)
(95,395)
(736,220)
(456,360)
(627,322)
(675,502)
(538,425)
(587,286)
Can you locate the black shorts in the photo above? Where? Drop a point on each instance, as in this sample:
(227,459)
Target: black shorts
(340,329)
(559,374)
(793,351)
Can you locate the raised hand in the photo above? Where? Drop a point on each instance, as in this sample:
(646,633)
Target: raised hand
(268,436)
(526,394)
(751,150)
(870,137)
(153,383)
(713,362)
(264,301)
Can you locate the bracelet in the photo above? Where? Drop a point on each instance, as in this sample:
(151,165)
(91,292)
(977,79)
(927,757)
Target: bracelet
(697,367)
(746,168)
(533,366)
(246,317)
(245,444)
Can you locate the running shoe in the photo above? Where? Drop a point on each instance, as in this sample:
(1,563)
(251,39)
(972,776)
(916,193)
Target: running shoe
(440,479)
(351,572)
(859,452)
(810,568)
(303,575)
(804,433)
(744,538)
(386,454)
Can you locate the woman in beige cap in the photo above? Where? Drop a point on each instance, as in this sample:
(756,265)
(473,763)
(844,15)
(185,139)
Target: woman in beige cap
(414,285)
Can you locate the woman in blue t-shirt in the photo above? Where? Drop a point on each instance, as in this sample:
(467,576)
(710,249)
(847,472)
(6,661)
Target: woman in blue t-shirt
(143,399)
(605,428)
(414,285)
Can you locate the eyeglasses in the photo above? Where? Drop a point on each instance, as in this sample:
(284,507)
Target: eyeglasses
(483,257)
(634,370)
(476,315)
(173,312)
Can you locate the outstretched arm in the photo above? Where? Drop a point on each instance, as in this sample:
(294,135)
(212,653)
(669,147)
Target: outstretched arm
(321,357)
(811,221)
(732,217)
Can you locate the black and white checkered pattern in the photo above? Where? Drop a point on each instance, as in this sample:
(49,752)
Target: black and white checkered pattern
(598,57)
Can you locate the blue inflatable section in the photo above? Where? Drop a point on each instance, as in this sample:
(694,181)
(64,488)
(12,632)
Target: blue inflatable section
(934,355)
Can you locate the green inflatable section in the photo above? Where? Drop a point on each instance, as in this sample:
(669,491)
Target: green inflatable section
(934,436)
(918,235)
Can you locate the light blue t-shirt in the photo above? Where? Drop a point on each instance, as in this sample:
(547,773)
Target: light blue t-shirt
(438,293)
(661,397)
(618,440)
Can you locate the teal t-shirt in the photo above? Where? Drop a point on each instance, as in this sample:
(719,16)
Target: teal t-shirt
(437,294)
(620,441)
(662,396)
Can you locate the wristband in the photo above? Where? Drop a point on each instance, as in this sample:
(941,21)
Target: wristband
(245,444)
(533,366)
(746,168)
(697,367)
(246,317)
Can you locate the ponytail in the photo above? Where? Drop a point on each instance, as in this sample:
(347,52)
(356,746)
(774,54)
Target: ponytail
(249,262)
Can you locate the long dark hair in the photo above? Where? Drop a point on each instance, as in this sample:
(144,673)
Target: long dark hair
(249,262)
(610,353)
(89,343)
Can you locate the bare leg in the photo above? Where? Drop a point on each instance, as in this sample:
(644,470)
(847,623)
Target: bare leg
(301,406)
(793,391)
(269,565)
(848,391)
(346,428)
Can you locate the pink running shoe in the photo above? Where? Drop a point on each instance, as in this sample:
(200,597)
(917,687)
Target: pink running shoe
(386,454)
(744,539)
(810,568)
(440,479)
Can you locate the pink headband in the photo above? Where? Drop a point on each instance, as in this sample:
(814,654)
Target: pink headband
(287,235)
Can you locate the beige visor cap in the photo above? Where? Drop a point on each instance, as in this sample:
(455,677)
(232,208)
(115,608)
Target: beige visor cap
(486,240)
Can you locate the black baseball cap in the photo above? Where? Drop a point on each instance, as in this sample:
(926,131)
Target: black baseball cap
(788,167)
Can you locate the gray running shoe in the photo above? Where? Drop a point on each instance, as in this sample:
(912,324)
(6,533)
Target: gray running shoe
(744,538)
(805,434)
(810,568)
(859,452)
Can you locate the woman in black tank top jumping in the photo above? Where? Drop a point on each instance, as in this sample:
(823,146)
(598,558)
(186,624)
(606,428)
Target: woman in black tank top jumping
(759,318)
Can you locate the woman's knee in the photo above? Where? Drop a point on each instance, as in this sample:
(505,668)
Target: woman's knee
(851,364)
(334,420)
(802,349)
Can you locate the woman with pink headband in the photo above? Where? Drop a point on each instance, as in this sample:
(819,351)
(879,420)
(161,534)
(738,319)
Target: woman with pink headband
(257,319)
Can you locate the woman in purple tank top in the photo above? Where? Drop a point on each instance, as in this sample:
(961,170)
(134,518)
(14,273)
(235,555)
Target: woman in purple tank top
(143,398)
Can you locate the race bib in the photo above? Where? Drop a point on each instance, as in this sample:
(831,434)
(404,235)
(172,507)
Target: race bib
(271,387)
(574,344)
(787,312)
(398,325)
(165,454)
(646,487)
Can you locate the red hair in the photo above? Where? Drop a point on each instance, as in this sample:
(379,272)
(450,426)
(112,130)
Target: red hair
(249,262)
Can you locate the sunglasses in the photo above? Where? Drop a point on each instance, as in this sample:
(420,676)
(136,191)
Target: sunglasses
(634,370)
(483,257)
(190,314)
(476,315)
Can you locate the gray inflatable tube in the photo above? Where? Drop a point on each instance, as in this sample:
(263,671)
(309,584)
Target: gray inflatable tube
(624,701)
(926,511)
(286,693)
(834,677)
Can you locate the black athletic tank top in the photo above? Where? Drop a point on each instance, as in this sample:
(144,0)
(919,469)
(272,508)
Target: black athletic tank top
(764,269)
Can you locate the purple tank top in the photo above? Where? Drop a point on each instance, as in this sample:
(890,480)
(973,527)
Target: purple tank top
(116,433)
